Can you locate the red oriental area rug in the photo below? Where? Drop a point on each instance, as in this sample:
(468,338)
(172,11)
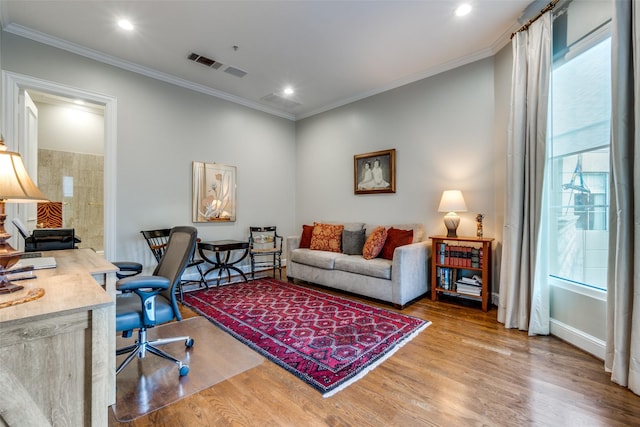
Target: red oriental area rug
(327,341)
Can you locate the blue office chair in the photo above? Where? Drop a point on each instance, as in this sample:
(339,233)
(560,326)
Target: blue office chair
(147,301)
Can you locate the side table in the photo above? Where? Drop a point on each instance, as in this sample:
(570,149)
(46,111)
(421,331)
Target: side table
(223,262)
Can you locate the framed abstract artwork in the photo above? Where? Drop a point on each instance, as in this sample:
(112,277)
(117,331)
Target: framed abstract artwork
(374,172)
(214,192)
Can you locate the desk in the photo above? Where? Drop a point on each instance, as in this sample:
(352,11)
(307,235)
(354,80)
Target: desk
(223,263)
(71,261)
(57,353)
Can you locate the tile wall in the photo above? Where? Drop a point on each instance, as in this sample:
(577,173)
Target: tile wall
(82,205)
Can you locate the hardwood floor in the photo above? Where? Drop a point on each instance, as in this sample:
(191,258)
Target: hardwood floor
(463,370)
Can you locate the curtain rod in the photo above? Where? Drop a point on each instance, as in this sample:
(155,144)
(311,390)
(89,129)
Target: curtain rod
(544,10)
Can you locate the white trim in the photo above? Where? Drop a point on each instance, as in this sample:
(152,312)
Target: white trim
(576,288)
(586,342)
(29,33)
(11,85)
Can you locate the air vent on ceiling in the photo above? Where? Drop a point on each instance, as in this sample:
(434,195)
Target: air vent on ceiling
(208,62)
(280,101)
(235,71)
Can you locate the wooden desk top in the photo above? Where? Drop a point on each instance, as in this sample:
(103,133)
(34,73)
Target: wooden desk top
(63,293)
(71,261)
(68,287)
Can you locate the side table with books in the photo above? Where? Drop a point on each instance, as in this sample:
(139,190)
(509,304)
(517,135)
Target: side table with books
(461,267)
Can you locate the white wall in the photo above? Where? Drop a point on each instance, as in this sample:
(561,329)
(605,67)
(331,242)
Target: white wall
(162,128)
(71,129)
(443,131)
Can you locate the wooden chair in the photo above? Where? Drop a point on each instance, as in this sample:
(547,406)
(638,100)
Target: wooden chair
(265,249)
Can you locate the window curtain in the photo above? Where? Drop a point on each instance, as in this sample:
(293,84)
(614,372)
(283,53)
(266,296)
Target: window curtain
(622,356)
(524,300)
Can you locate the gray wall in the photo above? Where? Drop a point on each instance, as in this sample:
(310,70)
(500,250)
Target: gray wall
(442,129)
(162,128)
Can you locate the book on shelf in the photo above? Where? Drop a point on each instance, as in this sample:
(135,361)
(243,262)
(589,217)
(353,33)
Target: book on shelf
(469,285)
(458,256)
(469,290)
(446,278)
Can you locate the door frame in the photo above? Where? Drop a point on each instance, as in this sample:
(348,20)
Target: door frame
(12,83)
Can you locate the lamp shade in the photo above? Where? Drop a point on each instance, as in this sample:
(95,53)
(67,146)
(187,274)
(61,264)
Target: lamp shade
(15,183)
(452,201)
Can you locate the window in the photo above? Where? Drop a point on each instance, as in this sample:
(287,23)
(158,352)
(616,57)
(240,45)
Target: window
(577,191)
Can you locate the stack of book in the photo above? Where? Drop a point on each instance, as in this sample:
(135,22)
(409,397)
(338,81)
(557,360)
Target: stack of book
(469,285)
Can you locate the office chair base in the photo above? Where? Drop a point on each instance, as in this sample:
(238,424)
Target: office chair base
(141,347)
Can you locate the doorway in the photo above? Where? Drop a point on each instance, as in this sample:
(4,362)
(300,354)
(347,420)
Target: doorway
(70,163)
(15,84)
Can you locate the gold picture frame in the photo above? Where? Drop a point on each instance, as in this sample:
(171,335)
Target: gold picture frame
(214,192)
(374,172)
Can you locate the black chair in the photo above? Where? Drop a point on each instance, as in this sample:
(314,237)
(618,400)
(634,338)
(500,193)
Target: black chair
(157,241)
(127,268)
(265,249)
(148,301)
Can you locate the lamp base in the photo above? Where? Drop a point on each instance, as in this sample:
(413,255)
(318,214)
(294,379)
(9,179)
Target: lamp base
(451,221)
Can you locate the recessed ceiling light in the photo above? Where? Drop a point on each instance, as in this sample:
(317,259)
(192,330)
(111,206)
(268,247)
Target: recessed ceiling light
(125,24)
(288,90)
(463,9)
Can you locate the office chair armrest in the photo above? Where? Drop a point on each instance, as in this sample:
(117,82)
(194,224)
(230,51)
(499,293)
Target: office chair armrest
(134,283)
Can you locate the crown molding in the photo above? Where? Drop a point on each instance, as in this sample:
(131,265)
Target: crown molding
(40,37)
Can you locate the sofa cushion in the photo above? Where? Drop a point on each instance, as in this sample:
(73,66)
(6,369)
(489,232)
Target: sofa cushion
(377,267)
(352,242)
(305,239)
(326,237)
(418,229)
(395,238)
(374,243)
(315,258)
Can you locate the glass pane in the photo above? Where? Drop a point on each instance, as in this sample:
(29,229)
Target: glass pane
(579,187)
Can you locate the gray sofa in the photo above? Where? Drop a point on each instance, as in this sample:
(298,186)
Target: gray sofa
(398,281)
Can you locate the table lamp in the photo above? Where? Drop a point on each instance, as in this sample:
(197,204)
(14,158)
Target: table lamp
(15,187)
(452,202)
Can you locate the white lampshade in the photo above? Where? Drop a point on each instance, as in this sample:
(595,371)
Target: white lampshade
(15,186)
(15,183)
(452,201)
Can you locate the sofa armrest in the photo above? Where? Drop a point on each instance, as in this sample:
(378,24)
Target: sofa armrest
(293,242)
(409,272)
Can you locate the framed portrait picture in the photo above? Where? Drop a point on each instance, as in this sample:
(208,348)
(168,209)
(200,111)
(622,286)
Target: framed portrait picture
(214,192)
(374,172)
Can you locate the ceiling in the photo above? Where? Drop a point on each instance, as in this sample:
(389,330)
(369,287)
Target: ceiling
(330,52)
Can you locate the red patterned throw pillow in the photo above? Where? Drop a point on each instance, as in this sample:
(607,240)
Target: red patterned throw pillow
(374,243)
(305,239)
(326,237)
(395,238)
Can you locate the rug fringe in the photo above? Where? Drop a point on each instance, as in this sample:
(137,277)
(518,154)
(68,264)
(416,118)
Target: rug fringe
(371,367)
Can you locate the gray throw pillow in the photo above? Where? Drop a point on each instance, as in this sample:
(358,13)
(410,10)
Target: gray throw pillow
(353,241)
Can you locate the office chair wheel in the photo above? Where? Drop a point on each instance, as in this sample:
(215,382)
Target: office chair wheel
(189,343)
(184,370)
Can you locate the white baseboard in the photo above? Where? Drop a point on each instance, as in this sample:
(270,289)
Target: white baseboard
(586,342)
